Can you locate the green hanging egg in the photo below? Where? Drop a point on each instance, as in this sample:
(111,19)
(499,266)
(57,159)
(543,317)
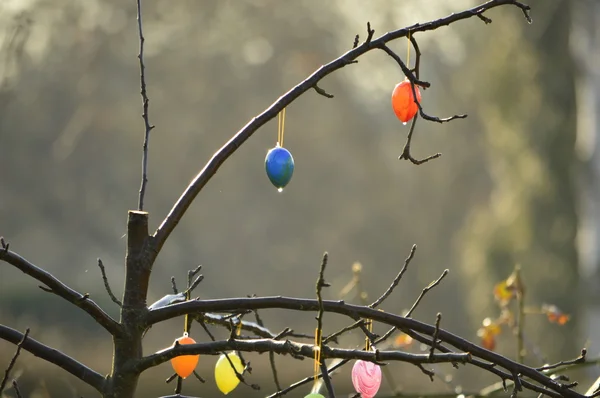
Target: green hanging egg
(225,376)
(314,395)
(279,165)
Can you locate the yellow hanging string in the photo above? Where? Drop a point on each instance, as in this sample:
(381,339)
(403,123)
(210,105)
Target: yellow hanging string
(370,329)
(281,127)
(239,329)
(186,320)
(408,50)
(317,354)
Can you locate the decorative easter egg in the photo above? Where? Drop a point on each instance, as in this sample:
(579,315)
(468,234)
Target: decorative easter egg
(366,378)
(225,376)
(403,101)
(279,165)
(184,365)
(314,395)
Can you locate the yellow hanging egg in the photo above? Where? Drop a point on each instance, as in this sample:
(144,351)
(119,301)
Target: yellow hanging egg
(225,376)
(184,365)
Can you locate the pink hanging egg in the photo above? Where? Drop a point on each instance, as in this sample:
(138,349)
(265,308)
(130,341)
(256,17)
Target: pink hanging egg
(366,378)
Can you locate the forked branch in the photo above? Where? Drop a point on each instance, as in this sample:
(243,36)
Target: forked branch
(60,289)
(77,369)
(201,179)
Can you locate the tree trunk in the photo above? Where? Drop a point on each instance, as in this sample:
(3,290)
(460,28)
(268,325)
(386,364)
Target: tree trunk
(127,348)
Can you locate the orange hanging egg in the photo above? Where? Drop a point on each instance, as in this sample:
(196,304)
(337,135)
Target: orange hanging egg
(403,101)
(184,365)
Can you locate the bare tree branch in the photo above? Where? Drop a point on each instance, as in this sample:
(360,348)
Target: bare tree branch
(322,92)
(77,369)
(434,338)
(292,348)
(13,361)
(356,312)
(107,285)
(257,329)
(424,292)
(321,283)
(396,280)
(579,359)
(145,103)
(16,387)
(406,151)
(60,289)
(201,179)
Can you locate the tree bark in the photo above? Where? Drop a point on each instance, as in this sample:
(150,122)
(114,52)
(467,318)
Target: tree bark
(128,347)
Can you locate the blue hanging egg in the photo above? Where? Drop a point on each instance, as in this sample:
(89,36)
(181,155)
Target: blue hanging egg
(279,165)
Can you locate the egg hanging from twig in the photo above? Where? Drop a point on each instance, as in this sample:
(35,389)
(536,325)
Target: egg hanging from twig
(279,165)
(403,101)
(184,365)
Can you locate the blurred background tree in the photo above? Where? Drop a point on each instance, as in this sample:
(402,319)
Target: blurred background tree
(504,192)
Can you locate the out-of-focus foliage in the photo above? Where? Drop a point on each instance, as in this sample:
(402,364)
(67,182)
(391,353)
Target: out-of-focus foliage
(70,156)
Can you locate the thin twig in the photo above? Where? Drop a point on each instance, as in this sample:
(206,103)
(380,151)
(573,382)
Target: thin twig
(77,369)
(525,8)
(428,372)
(396,280)
(260,331)
(579,359)
(319,331)
(319,286)
(192,273)
(199,378)
(60,289)
(145,103)
(436,332)
(4,244)
(210,335)
(16,388)
(327,379)
(322,92)
(517,385)
(415,45)
(13,361)
(485,19)
(348,328)
(307,380)
(107,285)
(194,284)
(274,370)
(179,385)
(239,375)
(407,72)
(272,363)
(406,150)
(370,33)
(520,329)
(424,292)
